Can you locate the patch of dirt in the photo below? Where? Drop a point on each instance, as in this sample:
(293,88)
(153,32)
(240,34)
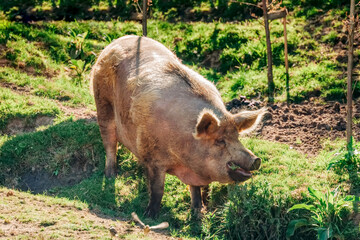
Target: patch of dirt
(302,126)
(212,60)
(21,125)
(78,112)
(42,217)
(39,180)
(16,88)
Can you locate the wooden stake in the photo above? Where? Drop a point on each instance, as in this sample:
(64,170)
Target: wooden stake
(286,62)
(144,20)
(271,84)
(349,74)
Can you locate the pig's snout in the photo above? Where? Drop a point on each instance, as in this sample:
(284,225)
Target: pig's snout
(256,164)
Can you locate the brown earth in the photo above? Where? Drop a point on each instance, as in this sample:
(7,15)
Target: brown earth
(302,126)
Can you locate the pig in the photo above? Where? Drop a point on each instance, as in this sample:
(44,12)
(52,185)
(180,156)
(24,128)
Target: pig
(170,117)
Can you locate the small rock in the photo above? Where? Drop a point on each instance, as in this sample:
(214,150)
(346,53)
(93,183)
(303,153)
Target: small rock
(113,231)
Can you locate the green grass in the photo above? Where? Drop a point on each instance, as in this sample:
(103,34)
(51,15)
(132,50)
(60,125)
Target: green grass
(239,48)
(46,217)
(37,57)
(26,107)
(263,201)
(60,88)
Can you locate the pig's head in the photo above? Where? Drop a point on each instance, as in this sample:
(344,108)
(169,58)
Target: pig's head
(224,158)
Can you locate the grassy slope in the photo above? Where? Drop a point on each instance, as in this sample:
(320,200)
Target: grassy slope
(37,57)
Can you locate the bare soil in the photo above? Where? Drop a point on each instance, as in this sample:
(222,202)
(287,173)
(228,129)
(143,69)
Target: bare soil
(302,126)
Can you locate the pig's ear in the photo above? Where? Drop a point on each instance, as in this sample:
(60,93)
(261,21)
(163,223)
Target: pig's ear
(207,124)
(247,121)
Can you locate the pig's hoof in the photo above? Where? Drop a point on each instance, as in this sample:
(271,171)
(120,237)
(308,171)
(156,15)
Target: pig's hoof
(196,213)
(150,213)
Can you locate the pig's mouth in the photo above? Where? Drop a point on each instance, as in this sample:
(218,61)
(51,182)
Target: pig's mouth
(237,173)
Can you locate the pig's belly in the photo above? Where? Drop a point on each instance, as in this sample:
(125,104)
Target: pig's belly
(187,176)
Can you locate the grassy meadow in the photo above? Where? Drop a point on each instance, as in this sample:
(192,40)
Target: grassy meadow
(44,72)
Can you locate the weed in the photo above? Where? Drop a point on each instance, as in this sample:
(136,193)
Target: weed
(329,214)
(81,67)
(347,160)
(77,44)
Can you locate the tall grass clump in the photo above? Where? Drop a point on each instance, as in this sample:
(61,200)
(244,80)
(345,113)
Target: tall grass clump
(253,211)
(327,215)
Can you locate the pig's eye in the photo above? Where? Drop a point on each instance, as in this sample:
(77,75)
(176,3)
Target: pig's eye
(220,142)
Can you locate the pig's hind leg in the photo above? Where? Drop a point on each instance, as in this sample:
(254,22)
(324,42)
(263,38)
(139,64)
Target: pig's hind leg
(106,120)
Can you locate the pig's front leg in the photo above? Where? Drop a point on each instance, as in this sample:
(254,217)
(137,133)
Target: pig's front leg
(156,180)
(195,198)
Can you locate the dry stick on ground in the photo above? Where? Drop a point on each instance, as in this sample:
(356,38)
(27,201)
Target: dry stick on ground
(349,74)
(271,84)
(147,228)
(144,19)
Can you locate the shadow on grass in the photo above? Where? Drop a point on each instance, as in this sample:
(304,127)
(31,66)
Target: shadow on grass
(60,155)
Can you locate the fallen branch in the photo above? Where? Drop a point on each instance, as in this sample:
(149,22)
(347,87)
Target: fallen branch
(147,228)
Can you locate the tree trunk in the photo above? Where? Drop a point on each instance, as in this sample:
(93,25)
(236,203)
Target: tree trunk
(349,74)
(271,84)
(286,62)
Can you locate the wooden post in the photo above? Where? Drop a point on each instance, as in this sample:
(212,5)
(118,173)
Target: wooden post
(349,74)
(286,62)
(271,84)
(144,19)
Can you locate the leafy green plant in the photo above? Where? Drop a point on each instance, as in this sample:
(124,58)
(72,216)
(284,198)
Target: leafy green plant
(76,45)
(327,214)
(80,67)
